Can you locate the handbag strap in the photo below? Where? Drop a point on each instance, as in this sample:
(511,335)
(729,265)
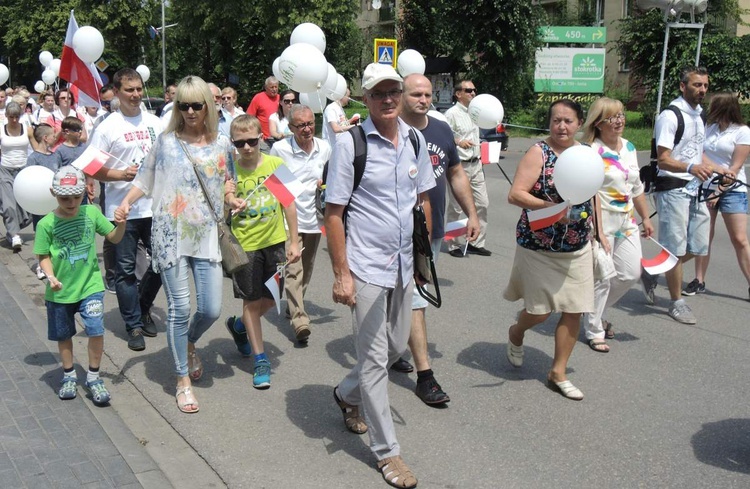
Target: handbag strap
(596,222)
(200,179)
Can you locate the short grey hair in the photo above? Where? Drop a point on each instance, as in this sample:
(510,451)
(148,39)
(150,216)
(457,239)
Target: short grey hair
(297,108)
(13,109)
(271,80)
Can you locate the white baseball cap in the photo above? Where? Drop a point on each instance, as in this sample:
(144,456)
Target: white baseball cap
(376,73)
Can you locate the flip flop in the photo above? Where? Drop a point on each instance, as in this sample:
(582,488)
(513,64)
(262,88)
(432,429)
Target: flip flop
(596,344)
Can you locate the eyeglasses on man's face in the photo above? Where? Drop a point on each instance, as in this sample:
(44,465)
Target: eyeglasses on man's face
(469,90)
(304,125)
(392,94)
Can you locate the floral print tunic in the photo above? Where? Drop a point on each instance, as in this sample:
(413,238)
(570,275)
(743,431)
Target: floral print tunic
(183,224)
(558,237)
(622,183)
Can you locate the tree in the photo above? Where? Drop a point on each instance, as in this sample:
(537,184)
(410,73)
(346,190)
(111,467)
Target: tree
(494,41)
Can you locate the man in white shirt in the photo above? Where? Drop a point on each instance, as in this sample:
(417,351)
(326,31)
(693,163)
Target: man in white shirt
(335,121)
(305,155)
(128,136)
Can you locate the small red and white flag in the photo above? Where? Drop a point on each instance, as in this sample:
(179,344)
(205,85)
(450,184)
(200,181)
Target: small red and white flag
(284,185)
(75,71)
(542,218)
(273,285)
(661,263)
(91,160)
(455,229)
(489,152)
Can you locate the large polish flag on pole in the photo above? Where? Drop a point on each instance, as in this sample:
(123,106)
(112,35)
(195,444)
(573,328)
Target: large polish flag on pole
(73,70)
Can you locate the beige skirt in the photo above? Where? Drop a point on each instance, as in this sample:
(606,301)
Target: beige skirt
(552,282)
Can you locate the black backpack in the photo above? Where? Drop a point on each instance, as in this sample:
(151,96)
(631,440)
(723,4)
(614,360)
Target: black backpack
(649,172)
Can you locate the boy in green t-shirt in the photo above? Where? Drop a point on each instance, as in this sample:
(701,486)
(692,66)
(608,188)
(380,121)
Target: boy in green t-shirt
(66,250)
(258,225)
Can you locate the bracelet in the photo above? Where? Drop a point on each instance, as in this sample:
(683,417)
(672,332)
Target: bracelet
(690,166)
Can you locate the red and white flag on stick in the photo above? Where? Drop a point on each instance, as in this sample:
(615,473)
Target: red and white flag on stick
(273,285)
(455,229)
(542,218)
(91,160)
(284,185)
(75,71)
(663,262)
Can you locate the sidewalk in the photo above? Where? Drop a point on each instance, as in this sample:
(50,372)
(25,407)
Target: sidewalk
(46,442)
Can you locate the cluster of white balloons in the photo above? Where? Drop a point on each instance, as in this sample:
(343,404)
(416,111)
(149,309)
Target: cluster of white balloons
(303,67)
(578,174)
(88,44)
(50,73)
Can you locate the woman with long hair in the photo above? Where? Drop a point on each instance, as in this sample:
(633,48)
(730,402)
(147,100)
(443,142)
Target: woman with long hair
(278,123)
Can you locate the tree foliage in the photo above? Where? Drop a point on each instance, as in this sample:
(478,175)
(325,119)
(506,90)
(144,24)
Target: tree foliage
(493,41)
(724,55)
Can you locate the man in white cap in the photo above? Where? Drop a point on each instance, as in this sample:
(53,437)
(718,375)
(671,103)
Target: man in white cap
(373,265)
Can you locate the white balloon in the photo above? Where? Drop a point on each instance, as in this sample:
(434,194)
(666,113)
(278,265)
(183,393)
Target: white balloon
(410,61)
(39,86)
(88,44)
(4,73)
(303,67)
(275,68)
(331,80)
(486,111)
(315,100)
(31,190)
(144,72)
(436,114)
(54,65)
(48,76)
(45,57)
(578,174)
(338,92)
(309,33)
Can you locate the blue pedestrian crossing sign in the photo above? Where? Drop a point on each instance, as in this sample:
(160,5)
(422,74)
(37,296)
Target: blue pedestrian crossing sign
(386,51)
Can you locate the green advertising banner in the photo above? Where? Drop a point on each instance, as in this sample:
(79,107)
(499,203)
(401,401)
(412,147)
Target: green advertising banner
(569,70)
(574,34)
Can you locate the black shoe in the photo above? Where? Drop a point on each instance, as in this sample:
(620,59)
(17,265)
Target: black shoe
(136,341)
(694,287)
(431,393)
(457,253)
(402,366)
(473,250)
(149,328)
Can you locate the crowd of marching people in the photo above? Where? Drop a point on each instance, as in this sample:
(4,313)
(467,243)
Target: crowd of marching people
(172,186)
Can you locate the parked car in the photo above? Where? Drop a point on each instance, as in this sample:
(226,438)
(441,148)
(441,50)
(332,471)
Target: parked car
(496,134)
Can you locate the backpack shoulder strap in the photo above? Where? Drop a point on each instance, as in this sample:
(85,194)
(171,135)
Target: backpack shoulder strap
(680,123)
(414,141)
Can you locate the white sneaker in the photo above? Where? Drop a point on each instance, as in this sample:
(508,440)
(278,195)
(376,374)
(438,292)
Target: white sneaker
(16,242)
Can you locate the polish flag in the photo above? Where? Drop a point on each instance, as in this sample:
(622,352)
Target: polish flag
(91,160)
(455,229)
(73,70)
(489,152)
(284,185)
(663,262)
(543,218)
(273,285)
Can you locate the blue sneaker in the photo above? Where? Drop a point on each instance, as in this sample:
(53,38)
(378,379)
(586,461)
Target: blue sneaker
(239,335)
(262,374)
(99,393)
(69,388)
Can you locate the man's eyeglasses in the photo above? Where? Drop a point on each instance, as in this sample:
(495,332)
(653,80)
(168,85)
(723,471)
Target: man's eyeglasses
(288,101)
(615,118)
(469,90)
(393,94)
(185,106)
(240,143)
(303,125)
(226,98)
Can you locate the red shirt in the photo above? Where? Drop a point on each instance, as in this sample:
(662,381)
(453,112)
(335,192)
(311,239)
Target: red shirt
(262,106)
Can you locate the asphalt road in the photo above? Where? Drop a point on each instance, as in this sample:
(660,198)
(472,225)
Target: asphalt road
(667,407)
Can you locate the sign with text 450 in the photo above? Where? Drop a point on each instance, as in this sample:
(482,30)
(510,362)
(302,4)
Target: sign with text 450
(569,70)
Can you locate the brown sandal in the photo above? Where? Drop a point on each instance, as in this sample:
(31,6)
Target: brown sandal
(609,333)
(188,399)
(396,473)
(353,421)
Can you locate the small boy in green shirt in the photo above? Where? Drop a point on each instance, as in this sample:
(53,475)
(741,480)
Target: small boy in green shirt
(66,249)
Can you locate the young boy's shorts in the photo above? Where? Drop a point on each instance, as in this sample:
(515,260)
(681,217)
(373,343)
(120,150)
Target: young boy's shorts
(61,323)
(250,281)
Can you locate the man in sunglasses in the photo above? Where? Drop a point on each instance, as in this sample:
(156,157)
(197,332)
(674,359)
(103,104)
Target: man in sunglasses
(373,263)
(128,136)
(305,155)
(466,135)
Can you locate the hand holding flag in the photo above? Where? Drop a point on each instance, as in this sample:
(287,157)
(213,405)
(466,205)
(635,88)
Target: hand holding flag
(542,218)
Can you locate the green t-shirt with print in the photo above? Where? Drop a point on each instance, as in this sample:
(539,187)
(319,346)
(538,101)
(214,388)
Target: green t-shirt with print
(261,224)
(70,244)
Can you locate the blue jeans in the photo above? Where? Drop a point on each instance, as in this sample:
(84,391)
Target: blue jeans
(207,277)
(132,299)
